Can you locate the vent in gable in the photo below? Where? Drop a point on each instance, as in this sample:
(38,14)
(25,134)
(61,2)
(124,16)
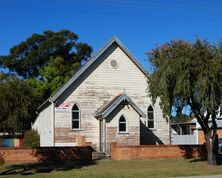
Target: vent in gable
(114,64)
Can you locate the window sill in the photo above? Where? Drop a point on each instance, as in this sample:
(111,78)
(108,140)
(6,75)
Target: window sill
(152,129)
(123,133)
(75,130)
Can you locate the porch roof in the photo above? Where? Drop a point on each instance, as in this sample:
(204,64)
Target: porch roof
(110,106)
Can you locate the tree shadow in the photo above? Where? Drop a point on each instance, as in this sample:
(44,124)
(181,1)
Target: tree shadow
(44,167)
(64,154)
(194,151)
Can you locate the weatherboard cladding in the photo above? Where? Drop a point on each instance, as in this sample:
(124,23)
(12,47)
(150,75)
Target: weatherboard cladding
(96,89)
(114,39)
(97,85)
(43,125)
(107,106)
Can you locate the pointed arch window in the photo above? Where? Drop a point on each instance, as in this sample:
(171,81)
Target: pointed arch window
(122,124)
(150,116)
(75,117)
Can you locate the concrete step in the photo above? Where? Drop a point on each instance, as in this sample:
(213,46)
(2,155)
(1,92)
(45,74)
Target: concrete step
(98,155)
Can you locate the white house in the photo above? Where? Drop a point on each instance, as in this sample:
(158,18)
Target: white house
(190,133)
(105,101)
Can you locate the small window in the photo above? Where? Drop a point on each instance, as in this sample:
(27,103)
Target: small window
(150,116)
(75,117)
(122,124)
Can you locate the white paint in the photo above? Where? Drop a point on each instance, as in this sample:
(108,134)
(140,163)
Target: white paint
(44,126)
(65,144)
(53,123)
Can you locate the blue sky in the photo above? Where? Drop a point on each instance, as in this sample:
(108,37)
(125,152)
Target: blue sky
(140,24)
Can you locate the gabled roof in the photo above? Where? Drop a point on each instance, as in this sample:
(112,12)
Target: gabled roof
(116,101)
(113,40)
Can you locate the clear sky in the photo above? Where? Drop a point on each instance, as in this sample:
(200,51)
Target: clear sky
(139,24)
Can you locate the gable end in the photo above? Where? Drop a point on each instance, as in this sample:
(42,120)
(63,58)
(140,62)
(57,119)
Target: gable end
(113,40)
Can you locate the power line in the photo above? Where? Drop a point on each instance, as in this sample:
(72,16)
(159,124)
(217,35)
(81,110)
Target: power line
(112,13)
(142,4)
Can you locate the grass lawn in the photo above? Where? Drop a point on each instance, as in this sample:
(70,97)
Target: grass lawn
(114,169)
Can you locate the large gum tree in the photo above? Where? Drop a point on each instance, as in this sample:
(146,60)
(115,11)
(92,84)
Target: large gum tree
(189,74)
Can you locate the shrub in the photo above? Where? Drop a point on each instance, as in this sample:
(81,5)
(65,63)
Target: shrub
(2,161)
(31,139)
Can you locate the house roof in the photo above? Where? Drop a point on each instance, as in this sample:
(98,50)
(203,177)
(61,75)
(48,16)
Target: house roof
(183,123)
(116,101)
(113,40)
(218,121)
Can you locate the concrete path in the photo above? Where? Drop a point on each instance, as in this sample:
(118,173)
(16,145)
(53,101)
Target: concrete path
(214,176)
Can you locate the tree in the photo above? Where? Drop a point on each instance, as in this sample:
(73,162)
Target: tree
(189,74)
(57,72)
(34,69)
(18,105)
(30,56)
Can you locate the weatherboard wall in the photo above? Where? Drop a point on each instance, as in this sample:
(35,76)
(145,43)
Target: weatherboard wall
(44,126)
(99,84)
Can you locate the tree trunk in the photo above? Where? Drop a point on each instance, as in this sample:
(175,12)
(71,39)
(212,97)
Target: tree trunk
(211,148)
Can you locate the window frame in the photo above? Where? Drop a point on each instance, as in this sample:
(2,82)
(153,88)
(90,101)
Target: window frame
(79,119)
(126,124)
(149,120)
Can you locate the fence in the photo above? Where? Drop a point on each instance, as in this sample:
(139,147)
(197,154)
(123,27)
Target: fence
(142,152)
(11,142)
(46,154)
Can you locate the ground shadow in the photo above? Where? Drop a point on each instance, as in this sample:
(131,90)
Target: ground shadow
(219,159)
(45,167)
(194,160)
(198,153)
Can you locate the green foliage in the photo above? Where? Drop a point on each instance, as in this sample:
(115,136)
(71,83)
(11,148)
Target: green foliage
(31,139)
(35,69)
(18,104)
(189,74)
(48,59)
(30,56)
(57,72)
